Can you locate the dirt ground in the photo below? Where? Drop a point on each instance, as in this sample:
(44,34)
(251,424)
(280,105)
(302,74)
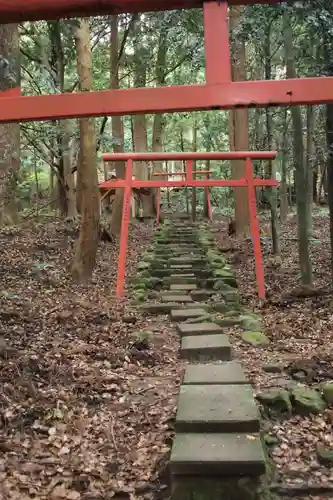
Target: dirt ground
(88,385)
(300,330)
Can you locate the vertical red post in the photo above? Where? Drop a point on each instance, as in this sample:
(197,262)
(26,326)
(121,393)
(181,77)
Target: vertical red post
(125,221)
(255,228)
(217,46)
(189,170)
(158,206)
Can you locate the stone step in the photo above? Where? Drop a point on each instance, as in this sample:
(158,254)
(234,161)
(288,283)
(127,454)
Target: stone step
(227,372)
(187,259)
(186,329)
(179,315)
(217,455)
(166,307)
(182,267)
(182,288)
(217,408)
(176,298)
(214,347)
(182,280)
(201,295)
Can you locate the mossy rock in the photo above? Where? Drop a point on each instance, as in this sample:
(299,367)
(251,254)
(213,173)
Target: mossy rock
(139,295)
(276,399)
(140,286)
(255,338)
(144,274)
(307,401)
(270,440)
(250,322)
(324,455)
(143,265)
(219,285)
(327,389)
(207,318)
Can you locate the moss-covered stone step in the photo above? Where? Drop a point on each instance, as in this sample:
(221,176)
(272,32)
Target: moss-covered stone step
(178,315)
(181,279)
(217,408)
(186,329)
(217,454)
(183,287)
(227,372)
(176,298)
(215,347)
(201,295)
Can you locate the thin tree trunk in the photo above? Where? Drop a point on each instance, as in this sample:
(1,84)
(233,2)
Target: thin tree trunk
(284,167)
(9,132)
(87,245)
(311,121)
(238,123)
(271,173)
(117,129)
(194,191)
(302,197)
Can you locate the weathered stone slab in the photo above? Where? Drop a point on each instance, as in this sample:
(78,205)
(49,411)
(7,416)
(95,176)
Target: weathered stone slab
(206,347)
(186,329)
(182,280)
(217,455)
(165,307)
(217,487)
(183,287)
(183,314)
(228,372)
(176,298)
(201,295)
(217,408)
(182,267)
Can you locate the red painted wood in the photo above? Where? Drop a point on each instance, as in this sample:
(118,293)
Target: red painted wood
(15,11)
(197,155)
(168,99)
(259,265)
(195,183)
(217,47)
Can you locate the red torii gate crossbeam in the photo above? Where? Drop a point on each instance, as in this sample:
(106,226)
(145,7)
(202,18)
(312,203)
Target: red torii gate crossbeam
(248,181)
(219,91)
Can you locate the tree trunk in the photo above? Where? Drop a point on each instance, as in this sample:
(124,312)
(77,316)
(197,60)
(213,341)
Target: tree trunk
(238,124)
(117,129)
(87,245)
(310,157)
(194,148)
(284,165)
(302,196)
(271,168)
(9,132)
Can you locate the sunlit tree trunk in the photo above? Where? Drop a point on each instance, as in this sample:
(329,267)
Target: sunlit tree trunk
(284,168)
(86,249)
(9,133)
(302,197)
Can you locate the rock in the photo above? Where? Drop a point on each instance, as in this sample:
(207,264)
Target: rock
(255,338)
(306,401)
(277,399)
(324,455)
(270,440)
(250,322)
(328,392)
(272,368)
(139,295)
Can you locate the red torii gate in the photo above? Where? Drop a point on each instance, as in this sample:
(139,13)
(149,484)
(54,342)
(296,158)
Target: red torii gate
(219,91)
(248,181)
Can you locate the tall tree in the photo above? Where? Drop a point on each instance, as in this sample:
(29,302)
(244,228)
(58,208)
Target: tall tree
(86,249)
(238,120)
(302,197)
(9,133)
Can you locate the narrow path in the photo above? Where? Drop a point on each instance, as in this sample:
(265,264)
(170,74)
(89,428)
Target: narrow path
(217,450)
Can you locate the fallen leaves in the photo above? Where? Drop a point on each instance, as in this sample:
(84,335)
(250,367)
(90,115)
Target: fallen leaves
(86,405)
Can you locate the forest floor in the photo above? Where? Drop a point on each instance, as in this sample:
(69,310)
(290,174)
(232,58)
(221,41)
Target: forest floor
(89,385)
(86,396)
(300,330)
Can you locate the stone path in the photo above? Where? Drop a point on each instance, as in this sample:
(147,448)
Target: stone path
(217,451)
